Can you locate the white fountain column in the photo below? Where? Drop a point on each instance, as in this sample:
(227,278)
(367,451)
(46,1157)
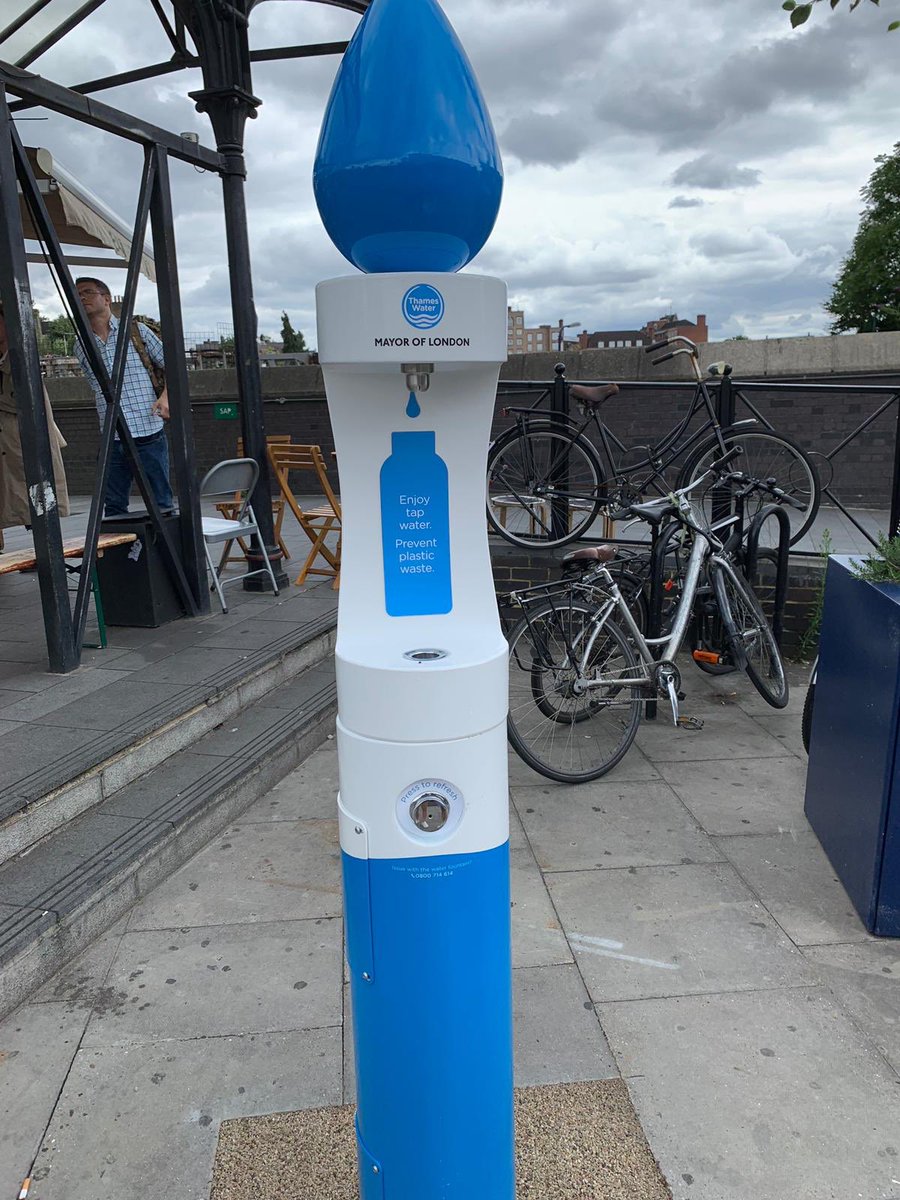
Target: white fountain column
(422,701)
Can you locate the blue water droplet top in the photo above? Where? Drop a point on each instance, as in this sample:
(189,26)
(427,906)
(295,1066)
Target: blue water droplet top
(407,174)
(413,408)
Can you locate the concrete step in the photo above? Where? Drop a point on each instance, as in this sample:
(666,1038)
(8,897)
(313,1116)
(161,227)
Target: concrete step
(67,784)
(62,894)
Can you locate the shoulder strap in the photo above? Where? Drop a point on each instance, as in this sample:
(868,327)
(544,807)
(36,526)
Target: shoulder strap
(157,375)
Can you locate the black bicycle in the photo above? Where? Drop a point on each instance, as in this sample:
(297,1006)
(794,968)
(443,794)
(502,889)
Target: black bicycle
(549,482)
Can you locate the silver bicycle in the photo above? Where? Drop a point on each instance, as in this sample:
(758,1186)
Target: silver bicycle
(581,668)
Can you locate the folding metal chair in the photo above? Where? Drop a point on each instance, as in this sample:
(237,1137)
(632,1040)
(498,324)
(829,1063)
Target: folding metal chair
(235,477)
(229,508)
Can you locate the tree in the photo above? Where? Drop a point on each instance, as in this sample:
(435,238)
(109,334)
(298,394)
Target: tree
(292,342)
(866,293)
(800,13)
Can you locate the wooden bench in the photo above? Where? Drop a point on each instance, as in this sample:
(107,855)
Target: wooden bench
(26,560)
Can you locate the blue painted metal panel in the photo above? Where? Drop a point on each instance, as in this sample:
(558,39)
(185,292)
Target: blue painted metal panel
(853,781)
(407,174)
(415,528)
(433,1026)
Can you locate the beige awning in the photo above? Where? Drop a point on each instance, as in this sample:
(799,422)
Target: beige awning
(79,217)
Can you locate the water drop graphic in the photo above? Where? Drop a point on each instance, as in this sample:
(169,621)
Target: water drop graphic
(412,406)
(407,174)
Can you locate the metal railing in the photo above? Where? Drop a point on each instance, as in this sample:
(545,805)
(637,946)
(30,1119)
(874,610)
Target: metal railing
(730,396)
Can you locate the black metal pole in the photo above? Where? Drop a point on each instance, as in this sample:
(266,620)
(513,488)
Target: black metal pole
(559,474)
(219,33)
(721,496)
(246,361)
(37,459)
(181,420)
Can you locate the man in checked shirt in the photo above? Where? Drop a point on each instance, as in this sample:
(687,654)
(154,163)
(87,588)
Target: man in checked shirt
(144,413)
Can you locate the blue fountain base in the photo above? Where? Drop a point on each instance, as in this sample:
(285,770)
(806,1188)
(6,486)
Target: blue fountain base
(432,1025)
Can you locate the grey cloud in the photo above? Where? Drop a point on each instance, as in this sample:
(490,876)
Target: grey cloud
(685,202)
(540,138)
(714,173)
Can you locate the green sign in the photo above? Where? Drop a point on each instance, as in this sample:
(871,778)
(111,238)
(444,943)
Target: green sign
(225,412)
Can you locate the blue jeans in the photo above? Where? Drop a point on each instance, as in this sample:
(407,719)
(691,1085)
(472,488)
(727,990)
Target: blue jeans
(154,455)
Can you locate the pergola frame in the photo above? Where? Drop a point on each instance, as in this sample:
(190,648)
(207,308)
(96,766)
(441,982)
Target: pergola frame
(219,31)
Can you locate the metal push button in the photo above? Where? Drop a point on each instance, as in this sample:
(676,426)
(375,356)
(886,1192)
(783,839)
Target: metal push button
(429,812)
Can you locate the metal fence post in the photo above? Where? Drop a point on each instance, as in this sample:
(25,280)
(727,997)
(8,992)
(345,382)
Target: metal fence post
(559,473)
(63,653)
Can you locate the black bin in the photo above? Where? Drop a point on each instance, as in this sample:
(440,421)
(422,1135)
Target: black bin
(135,584)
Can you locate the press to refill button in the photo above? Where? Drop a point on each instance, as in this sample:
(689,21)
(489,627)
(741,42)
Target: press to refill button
(430,809)
(429,812)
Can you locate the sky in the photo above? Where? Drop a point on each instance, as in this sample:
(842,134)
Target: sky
(687,156)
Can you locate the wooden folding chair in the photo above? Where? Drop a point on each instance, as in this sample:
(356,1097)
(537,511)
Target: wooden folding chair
(315,522)
(229,509)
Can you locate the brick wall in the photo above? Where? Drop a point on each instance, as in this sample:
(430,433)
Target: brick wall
(294,404)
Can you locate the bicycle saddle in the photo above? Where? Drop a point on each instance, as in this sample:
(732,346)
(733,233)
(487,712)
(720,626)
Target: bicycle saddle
(593,397)
(651,510)
(603,554)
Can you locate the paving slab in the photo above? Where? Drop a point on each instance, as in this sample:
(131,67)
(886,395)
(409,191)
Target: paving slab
(56,874)
(556,1034)
(787,728)
(29,748)
(121,701)
(742,795)
(37,1046)
(221,981)
(190,666)
(136,1121)
(309,791)
(280,871)
(668,931)
(769,1095)
(537,936)
(26,679)
(82,982)
(80,683)
(611,824)
(727,733)
(634,766)
(147,798)
(865,978)
(795,881)
(238,731)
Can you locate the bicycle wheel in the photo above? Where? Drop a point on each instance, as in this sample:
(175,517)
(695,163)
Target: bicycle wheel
(568,736)
(806,719)
(767,456)
(543,485)
(752,642)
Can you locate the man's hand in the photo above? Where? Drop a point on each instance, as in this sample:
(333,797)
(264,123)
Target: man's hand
(160,406)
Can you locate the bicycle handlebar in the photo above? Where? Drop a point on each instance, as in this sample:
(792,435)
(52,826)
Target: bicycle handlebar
(656,346)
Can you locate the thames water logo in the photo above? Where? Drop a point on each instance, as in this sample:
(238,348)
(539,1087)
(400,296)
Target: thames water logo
(423,306)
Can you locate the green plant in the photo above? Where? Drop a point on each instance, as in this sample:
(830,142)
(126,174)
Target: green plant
(810,641)
(883,567)
(800,13)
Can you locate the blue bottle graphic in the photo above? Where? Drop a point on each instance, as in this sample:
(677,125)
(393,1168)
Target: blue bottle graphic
(407,174)
(415,528)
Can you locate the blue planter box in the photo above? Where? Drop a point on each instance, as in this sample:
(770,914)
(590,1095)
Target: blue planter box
(853,782)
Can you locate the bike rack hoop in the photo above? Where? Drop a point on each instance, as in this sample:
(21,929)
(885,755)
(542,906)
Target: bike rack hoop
(781,571)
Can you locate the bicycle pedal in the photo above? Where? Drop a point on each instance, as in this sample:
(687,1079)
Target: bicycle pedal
(694,723)
(681,695)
